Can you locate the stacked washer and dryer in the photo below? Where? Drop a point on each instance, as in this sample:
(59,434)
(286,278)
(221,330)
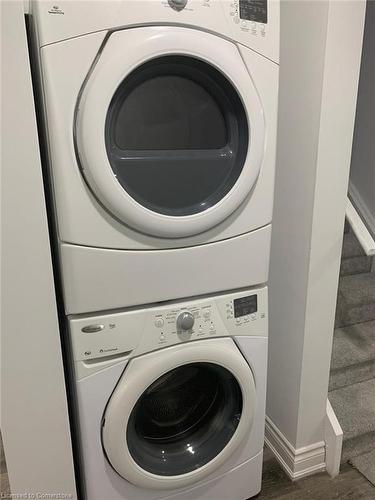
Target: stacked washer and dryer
(160,118)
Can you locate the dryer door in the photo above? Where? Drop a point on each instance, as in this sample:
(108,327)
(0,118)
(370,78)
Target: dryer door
(169,134)
(177,414)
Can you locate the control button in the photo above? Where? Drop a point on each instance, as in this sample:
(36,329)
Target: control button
(177,4)
(212,327)
(253,316)
(238,320)
(206,313)
(159,322)
(162,337)
(92,328)
(185,321)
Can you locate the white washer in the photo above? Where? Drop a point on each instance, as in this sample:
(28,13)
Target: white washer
(171,399)
(161,126)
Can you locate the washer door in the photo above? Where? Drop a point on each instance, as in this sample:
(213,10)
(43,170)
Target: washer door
(177,414)
(169,134)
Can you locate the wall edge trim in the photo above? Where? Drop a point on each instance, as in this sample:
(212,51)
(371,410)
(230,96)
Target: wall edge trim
(296,462)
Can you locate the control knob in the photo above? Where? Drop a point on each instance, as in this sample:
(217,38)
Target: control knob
(177,4)
(185,321)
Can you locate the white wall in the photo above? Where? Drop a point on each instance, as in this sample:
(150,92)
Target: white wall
(34,418)
(319,68)
(362,174)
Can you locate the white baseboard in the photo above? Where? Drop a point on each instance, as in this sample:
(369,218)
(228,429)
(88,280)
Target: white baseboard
(360,212)
(333,437)
(299,462)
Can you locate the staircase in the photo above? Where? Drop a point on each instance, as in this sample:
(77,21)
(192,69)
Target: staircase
(352,380)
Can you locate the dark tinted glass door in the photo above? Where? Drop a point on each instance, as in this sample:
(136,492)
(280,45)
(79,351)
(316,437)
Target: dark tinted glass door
(184,419)
(176,135)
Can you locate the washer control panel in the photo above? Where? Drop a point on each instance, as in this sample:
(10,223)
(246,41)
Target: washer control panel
(250,16)
(137,331)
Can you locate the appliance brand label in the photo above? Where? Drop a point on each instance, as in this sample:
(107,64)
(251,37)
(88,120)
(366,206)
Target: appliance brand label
(56,10)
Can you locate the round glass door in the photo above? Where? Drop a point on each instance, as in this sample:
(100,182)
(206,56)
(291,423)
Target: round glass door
(169,135)
(184,419)
(177,414)
(176,135)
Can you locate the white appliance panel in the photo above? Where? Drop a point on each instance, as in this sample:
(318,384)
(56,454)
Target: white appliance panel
(134,332)
(228,17)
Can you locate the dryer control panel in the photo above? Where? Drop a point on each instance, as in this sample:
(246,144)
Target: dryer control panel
(253,23)
(133,332)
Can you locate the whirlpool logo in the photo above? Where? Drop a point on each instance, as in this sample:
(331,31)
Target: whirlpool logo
(56,10)
(110,349)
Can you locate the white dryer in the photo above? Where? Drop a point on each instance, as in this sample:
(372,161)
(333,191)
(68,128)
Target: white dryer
(161,127)
(171,399)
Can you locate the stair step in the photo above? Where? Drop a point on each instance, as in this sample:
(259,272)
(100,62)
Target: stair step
(365,464)
(353,258)
(351,246)
(352,375)
(355,299)
(360,445)
(355,265)
(354,406)
(353,355)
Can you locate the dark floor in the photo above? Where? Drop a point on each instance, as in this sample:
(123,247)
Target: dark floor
(350,484)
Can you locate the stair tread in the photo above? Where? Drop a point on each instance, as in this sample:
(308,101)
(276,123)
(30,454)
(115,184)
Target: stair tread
(365,464)
(352,374)
(357,289)
(351,246)
(355,265)
(353,344)
(354,406)
(365,443)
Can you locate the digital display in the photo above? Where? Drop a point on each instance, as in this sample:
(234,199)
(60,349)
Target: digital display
(245,305)
(254,10)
